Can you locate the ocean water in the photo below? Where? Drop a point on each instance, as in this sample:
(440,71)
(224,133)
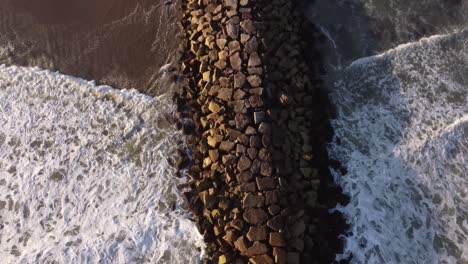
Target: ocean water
(398,75)
(86,175)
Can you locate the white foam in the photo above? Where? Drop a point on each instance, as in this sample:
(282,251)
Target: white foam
(85,174)
(402,124)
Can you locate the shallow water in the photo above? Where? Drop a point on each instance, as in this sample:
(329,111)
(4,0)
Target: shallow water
(85,174)
(398,74)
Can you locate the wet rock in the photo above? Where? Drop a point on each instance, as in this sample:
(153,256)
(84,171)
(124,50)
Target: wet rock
(257,233)
(255,216)
(252,200)
(244,163)
(265,183)
(259,117)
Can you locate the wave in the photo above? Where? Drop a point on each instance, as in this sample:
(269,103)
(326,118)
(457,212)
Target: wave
(86,174)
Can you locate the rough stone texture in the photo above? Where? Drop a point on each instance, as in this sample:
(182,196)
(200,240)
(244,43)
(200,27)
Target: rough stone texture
(257,248)
(255,216)
(257,233)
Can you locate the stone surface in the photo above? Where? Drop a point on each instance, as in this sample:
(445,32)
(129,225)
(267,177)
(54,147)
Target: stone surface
(277,240)
(248,187)
(276,223)
(257,248)
(252,200)
(251,46)
(255,216)
(244,163)
(239,80)
(280,255)
(225,94)
(254,80)
(257,233)
(261,259)
(265,183)
(241,244)
(235,61)
(259,117)
(254,60)
(232,4)
(226,146)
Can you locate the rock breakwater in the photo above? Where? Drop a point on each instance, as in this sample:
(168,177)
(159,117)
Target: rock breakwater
(257,127)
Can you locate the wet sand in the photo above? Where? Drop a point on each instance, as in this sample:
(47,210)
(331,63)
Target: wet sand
(122,43)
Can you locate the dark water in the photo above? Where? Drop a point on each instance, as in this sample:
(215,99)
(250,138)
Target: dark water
(122,43)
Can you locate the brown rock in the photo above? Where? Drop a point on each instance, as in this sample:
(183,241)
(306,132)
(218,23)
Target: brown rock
(244,38)
(227,146)
(235,61)
(252,152)
(239,80)
(265,183)
(277,240)
(280,255)
(239,94)
(254,60)
(254,81)
(241,244)
(276,223)
(247,26)
(220,65)
(232,4)
(241,121)
(252,200)
(255,216)
(214,107)
(244,2)
(257,248)
(257,233)
(255,142)
(251,45)
(234,46)
(248,187)
(244,163)
(255,101)
(272,197)
(244,177)
(261,259)
(221,42)
(264,128)
(255,71)
(230,237)
(232,28)
(274,209)
(225,94)
(250,131)
(265,169)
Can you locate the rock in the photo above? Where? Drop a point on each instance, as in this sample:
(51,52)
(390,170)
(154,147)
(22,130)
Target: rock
(230,237)
(255,168)
(207,76)
(251,46)
(244,163)
(206,162)
(255,142)
(214,107)
(280,255)
(244,38)
(255,71)
(241,121)
(261,259)
(244,2)
(203,185)
(248,187)
(257,233)
(252,200)
(254,60)
(240,149)
(264,128)
(221,42)
(227,146)
(276,240)
(232,28)
(231,4)
(254,80)
(274,209)
(257,248)
(247,26)
(225,94)
(265,183)
(265,169)
(250,131)
(220,64)
(252,152)
(207,199)
(244,177)
(276,223)
(234,46)
(239,80)
(241,244)
(255,216)
(259,117)
(235,61)
(239,94)
(255,101)
(272,197)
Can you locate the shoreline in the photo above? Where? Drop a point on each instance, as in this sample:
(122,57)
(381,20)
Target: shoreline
(261,186)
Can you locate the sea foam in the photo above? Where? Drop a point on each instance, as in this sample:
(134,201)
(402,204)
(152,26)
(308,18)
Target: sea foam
(85,174)
(402,133)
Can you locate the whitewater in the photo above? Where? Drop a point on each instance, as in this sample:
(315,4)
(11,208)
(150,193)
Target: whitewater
(402,133)
(86,174)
